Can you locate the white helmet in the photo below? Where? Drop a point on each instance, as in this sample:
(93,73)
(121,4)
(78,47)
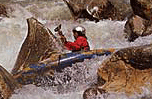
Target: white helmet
(79,29)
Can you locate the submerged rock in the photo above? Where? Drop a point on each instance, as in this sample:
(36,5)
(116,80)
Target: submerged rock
(39,44)
(127,70)
(91,93)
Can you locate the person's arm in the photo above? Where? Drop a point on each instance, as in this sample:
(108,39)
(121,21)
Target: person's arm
(77,45)
(72,46)
(59,32)
(80,43)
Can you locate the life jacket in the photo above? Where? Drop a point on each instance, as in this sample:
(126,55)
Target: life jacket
(79,44)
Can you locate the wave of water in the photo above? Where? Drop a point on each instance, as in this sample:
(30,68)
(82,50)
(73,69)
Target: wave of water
(72,81)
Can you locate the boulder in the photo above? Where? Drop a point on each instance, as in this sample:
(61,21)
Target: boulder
(137,26)
(39,44)
(127,70)
(78,9)
(123,9)
(142,8)
(99,9)
(140,23)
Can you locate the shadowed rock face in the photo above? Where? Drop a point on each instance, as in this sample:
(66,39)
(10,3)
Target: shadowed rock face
(81,9)
(123,9)
(39,44)
(78,10)
(139,57)
(127,70)
(7,84)
(3,10)
(142,8)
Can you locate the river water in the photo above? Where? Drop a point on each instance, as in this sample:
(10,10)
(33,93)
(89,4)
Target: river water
(72,81)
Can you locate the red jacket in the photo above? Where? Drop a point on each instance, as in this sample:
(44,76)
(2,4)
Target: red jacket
(79,44)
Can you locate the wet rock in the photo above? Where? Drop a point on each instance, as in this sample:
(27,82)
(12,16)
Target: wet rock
(123,9)
(137,26)
(127,70)
(142,8)
(39,44)
(91,93)
(140,23)
(97,10)
(78,10)
(7,84)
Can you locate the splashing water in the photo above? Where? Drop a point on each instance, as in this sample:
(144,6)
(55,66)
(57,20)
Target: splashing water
(72,81)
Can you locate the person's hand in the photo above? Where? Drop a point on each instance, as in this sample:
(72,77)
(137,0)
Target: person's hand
(63,39)
(60,33)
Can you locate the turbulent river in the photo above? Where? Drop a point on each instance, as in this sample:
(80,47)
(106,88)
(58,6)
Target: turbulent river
(72,81)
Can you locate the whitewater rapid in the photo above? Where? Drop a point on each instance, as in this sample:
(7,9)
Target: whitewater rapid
(104,34)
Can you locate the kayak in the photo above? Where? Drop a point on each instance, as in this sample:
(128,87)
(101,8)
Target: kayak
(28,75)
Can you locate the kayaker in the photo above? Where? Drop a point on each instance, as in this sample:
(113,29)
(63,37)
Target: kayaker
(80,43)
